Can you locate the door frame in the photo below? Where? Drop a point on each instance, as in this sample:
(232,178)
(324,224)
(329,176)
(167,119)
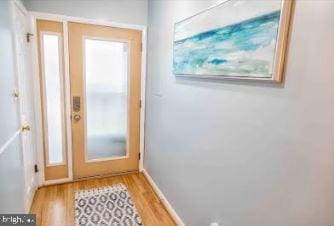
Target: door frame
(38,102)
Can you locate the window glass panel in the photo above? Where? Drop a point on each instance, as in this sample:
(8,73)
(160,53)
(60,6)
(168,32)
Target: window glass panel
(106,68)
(53,103)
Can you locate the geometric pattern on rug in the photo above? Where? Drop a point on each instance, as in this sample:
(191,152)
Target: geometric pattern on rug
(110,205)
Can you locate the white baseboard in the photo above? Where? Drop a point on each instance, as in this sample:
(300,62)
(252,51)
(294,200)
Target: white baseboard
(30,193)
(57,181)
(29,198)
(163,199)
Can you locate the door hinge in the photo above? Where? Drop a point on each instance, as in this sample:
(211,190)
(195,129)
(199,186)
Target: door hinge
(36,168)
(139,155)
(140,103)
(28,35)
(141,47)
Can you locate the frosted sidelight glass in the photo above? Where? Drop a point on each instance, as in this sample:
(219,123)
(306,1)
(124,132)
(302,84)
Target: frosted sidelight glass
(53,98)
(106,69)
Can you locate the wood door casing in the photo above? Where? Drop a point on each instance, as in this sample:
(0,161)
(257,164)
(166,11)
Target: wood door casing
(54,171)
(77,32)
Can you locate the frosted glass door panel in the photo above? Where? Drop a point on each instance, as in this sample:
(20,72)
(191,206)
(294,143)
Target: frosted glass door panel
(106,69)
(53,97)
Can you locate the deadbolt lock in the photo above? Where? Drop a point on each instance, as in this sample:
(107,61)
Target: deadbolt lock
(76,103)
(76,117)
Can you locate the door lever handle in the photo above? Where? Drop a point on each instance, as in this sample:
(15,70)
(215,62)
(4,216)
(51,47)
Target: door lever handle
(25,128)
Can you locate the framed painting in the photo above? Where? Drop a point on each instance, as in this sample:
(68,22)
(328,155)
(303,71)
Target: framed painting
(236,39)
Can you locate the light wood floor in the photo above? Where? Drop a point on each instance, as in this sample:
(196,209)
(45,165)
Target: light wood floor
(54,205)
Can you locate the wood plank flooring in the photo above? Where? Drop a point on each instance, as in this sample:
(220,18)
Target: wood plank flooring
(54,205)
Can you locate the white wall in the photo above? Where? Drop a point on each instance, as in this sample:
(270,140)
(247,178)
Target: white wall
(245,153)
(122,11)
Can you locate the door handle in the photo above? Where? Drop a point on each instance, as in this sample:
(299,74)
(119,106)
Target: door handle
(16,93)
(76,117)
(25,128)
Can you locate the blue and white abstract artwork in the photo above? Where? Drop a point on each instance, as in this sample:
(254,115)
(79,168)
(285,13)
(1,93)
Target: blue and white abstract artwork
(236,38)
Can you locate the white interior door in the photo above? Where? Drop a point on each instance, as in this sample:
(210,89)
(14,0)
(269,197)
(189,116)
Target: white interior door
(26,98)
(11,167)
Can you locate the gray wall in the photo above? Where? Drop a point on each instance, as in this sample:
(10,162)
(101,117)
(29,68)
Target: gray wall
(245,153)
(122,11)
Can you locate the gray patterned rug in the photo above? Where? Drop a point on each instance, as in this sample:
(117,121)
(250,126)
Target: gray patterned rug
(110,205)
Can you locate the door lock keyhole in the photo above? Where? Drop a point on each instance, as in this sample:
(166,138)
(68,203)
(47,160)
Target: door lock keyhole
(76,117)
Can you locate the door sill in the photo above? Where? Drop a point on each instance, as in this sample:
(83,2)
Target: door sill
(104,175)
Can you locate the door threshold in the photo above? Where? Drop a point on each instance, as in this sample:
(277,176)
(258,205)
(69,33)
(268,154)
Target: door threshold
(105,175)
(67,181)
